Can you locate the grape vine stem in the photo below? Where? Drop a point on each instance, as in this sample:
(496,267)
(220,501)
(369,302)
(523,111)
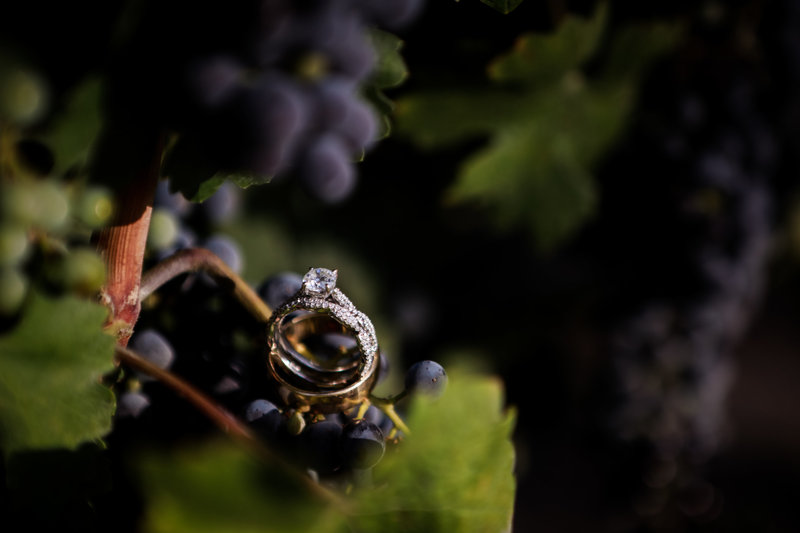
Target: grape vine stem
(225,420)
(202,260)
(122,243)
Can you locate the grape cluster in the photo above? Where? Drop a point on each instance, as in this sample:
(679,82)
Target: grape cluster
(697,177)
(270,87)
(226,361)
(44,228)
(197,330)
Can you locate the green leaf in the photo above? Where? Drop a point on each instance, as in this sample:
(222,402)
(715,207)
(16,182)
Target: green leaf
(72,132)
(191,172)
(537,58)
(503,6)
(390,69)
(454,473)
(544,123)
(439,118)
(218,488)
(50,369)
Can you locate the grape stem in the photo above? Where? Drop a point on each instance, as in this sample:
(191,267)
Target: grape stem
(387,406)
(224,419)
(122,244)
(202,260)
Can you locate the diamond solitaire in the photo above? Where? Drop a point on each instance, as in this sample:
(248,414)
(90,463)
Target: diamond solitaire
(319,282)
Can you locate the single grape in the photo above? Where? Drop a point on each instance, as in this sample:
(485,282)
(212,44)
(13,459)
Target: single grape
(261,127)
(264,417)
(80,269)
(163,229)
(319,445)
(24,95)
(154,347)
(332,98)
(359,127)
(95,207)
(132,404)
(14,245)
(223,204)
(426,377)
(278,288)
(226,249)
(362,444)
(327,172)
(51,205)
(351,54)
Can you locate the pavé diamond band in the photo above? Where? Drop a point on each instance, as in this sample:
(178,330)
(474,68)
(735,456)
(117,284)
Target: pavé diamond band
(322,382)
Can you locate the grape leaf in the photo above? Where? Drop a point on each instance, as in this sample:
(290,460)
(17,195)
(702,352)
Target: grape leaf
(389,71)
(545,124)
(453,474)
(51,363)
(189,171)
(219,488)
(76,126)
(503,6)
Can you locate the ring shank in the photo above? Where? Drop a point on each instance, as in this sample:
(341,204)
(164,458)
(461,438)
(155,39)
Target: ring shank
(305,382)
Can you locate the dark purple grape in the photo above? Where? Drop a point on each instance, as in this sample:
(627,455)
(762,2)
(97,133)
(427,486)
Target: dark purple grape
(277,112)
(362,444)
(132,404)
(227,250)
(426,377)
(319,446)
(213,80)
(174,202)
(351,53)
(280,287)
(154,347)
(358,127)
(223,204)
(327,171)
(332,98)
(264,417)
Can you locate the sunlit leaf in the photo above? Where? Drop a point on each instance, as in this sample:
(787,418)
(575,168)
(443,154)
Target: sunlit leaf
(50,368)
(454,474)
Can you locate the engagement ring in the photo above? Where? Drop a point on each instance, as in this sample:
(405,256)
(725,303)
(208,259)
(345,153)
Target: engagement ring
(323,352)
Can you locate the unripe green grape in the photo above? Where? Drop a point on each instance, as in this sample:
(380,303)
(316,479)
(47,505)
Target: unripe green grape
(23,95)
(163,229)
(80,270)
(18,203)
(95,207)
(13,286)
(52,205)
(14,245)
